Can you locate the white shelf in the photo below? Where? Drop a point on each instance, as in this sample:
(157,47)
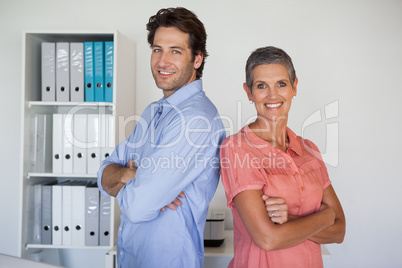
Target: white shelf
(42,246)
(54,103)
(60,175)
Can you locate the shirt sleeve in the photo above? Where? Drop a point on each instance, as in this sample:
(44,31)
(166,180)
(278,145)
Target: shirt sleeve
(186,151)
(239,171)
(313,150)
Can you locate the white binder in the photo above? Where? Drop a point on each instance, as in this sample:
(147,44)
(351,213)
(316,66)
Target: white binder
(78,215)
(57,201)
(62,71)
(80,144)
(93,155)
(107,135)
(44,146)
(67,143)
(77,72)
(48,69)
(67,211)
(57,155)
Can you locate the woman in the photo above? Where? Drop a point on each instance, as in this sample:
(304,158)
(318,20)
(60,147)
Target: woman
(266,160)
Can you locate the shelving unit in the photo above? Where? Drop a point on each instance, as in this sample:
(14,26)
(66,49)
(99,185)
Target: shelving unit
(121,108)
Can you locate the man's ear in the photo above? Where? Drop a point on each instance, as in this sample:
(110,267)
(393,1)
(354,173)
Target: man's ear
(198,60)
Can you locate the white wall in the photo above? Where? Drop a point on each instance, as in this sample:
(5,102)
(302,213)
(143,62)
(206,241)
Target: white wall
(344,51)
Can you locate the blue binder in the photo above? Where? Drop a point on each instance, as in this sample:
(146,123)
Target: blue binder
(99,71)
(109,58)
(89,71)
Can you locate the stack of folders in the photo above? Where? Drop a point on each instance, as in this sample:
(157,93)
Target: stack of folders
(77,72)
(70,214)
(81,142)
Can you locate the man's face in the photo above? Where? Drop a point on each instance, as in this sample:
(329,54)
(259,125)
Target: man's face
(172,63)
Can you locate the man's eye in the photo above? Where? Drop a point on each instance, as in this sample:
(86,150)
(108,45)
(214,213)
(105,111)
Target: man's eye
(157,50)
(176,52)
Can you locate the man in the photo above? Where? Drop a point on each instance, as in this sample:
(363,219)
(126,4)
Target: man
(172,154)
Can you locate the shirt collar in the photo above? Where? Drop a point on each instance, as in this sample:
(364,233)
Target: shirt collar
(259,143)
(183,93)
(294,143)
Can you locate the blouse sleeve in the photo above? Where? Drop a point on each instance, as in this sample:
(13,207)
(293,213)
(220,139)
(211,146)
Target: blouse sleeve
(239,171)
(313,149)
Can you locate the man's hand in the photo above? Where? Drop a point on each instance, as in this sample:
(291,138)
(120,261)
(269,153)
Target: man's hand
(176,203)
(276,208)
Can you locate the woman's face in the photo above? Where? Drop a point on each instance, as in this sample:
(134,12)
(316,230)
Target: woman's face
(271,91)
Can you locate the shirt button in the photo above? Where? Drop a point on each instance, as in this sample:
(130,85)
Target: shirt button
(121,253)
(302,188)
(297,174)
(289,160)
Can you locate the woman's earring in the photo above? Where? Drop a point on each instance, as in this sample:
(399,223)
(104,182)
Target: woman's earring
(294,97)
(251,102)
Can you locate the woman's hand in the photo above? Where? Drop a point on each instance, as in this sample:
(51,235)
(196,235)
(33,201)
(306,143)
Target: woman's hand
(276,208)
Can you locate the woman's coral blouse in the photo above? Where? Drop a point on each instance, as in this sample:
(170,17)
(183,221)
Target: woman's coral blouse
(299,176)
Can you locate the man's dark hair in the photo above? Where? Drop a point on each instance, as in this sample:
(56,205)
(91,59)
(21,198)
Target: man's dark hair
(187,22)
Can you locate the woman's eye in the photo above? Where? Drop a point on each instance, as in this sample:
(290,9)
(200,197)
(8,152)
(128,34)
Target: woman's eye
(157,50)
(261,86)
(281,84)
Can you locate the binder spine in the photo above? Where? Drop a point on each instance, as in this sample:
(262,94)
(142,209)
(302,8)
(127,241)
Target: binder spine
(89,71)
(48,67)
(109,59)
(99,71)
(77,72)
(62,72)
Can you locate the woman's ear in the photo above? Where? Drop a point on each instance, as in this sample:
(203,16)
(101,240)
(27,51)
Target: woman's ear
(295,86)
(248,92)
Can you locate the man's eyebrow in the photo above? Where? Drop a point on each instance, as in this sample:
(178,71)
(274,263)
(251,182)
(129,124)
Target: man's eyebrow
(171,47)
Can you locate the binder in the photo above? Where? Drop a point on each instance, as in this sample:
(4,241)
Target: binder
(33,143)
(91,215)
(57,153)
(89,71)
(80,144)
(104,220)
(93,155)
(107,135)
(78,215)
(77,72)
(48,68)
(67,143)
(109,59)
(44,143)
(62,71)
(67,212)
(57,216)
(99,72)
(46,231)
(37,214)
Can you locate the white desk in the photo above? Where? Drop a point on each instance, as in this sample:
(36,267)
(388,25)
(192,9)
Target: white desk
(7,261)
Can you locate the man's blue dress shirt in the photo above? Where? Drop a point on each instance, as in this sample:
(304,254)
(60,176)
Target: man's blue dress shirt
(175,146)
